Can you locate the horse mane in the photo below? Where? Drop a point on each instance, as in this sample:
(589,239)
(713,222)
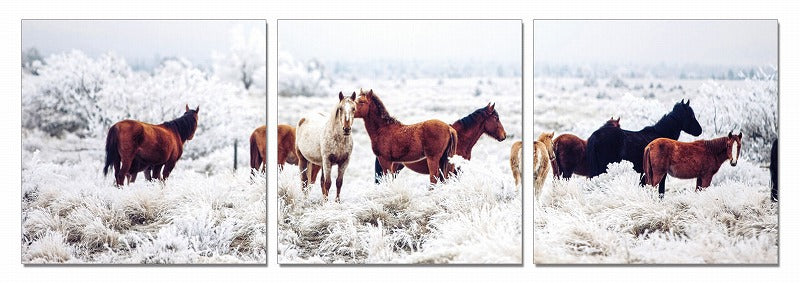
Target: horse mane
(184,125)
(717,145)
(383,114)
(670,123)
(471,119)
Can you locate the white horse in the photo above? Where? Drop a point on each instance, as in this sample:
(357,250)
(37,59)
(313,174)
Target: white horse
(326,141)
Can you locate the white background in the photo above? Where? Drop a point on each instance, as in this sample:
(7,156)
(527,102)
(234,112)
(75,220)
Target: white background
(12,11)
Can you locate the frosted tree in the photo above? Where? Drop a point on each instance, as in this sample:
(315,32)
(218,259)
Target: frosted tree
(246,59)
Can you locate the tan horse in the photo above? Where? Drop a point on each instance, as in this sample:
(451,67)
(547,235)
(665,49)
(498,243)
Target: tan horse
(543,155)
(258,149)
(393,142)
(516,162)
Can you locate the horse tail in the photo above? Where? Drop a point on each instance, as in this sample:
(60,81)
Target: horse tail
(255,157)
(555,163)
(450,150)
(378,170)
(592,161)
(112,149)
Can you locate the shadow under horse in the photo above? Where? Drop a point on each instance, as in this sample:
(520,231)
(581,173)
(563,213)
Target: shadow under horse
(610,144)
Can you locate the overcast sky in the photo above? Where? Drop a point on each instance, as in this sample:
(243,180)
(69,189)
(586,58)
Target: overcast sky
(647,42)
(430,40)
(136,40)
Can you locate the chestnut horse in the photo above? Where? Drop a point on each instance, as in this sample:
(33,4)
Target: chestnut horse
(700,159)
(543,156)
(469,129)
(570,153)
(326,141)
(136,145)
(286,152)
(258,149)
(393,142)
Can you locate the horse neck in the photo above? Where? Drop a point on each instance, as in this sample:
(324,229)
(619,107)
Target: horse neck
(378,118)
(468,136)
(718,148)
(668,126)
(182,127)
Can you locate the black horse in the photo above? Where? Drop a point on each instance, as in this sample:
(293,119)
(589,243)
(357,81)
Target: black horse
(612,144)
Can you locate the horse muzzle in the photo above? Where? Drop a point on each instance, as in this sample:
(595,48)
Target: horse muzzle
(733,163)
(346,131)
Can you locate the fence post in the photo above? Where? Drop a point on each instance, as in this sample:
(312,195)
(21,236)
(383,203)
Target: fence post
(235,153)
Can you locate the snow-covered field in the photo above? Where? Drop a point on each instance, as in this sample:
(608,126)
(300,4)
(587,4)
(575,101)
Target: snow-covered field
(611,219)
(206,212)
(475,218)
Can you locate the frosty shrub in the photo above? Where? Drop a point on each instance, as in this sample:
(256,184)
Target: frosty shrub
(245,63)
(84,96)
(302,78)
(751,109)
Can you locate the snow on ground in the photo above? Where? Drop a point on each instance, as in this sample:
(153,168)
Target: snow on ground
(475,218)
(610,219)
(206,212)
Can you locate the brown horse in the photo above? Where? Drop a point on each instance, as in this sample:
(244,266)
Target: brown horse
(136,145)
(469,129)
(286,152)
(570,153)
(700,159)
(393,142)
(258,149)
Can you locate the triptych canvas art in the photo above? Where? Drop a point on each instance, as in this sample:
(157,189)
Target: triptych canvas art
(399,142)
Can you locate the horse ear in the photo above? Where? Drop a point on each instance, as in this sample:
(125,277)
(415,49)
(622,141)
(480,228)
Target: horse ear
(740,135)
(730,134)
(687,102)
(187,107)
(370,92)
(353,96)
(197,110)
(341,96)
(682,101)
(490,107)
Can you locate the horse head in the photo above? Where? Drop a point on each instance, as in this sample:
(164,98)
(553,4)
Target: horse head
(734,147)
(689,122)
(492,125)
(363,103)
(612,123)
(345,111)
(192,112)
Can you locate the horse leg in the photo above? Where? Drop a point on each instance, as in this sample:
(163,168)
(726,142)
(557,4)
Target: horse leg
(302,163)
(168,169)
(326,183)
(124,169)
(662,186)
(703,182)
(154,172)
(340,177)
(433,168)
(386,165)
(314,172)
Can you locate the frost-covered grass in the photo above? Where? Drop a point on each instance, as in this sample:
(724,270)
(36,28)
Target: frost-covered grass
(204,213)
(475,218)
(611,219)
(71,213)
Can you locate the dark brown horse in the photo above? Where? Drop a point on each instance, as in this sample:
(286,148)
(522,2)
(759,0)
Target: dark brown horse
(136,145)
(571,154)
(700,159)
(258,149)
(393,142)
(470,128)
(286,152)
